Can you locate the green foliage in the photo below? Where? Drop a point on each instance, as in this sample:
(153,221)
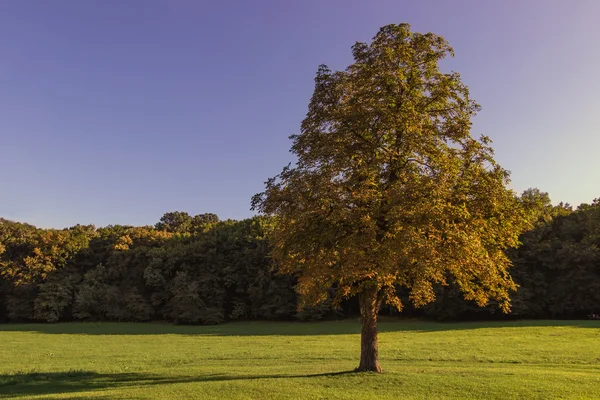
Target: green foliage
(558,265)
(182,222)
(390,190)
(175,222)
(19,302)
(225,272)
(56,295)
(207,273)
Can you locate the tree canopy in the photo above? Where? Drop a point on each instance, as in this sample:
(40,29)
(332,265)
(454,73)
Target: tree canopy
(390,189)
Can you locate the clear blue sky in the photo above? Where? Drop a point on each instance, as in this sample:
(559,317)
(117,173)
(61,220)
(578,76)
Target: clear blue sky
(118,111)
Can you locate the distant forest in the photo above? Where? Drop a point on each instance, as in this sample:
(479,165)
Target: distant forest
(200,270)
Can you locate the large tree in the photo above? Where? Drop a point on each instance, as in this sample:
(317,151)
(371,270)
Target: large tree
(390,190)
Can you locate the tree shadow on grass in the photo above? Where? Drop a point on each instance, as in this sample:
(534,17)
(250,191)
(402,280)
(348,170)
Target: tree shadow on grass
(49,383)
(342,327)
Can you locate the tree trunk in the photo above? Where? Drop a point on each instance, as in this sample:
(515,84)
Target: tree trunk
(369,349)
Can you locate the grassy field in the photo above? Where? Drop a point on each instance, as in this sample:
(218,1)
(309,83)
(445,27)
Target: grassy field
(421,360)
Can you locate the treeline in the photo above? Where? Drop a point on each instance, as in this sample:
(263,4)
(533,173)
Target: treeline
(557,267)
(185,269)
(201,270)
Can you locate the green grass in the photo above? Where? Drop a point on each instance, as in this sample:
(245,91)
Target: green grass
(421,360)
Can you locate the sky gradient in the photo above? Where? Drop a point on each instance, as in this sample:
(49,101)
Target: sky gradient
(115,112)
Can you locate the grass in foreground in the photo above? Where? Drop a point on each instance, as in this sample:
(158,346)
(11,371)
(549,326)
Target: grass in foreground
(421,360)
